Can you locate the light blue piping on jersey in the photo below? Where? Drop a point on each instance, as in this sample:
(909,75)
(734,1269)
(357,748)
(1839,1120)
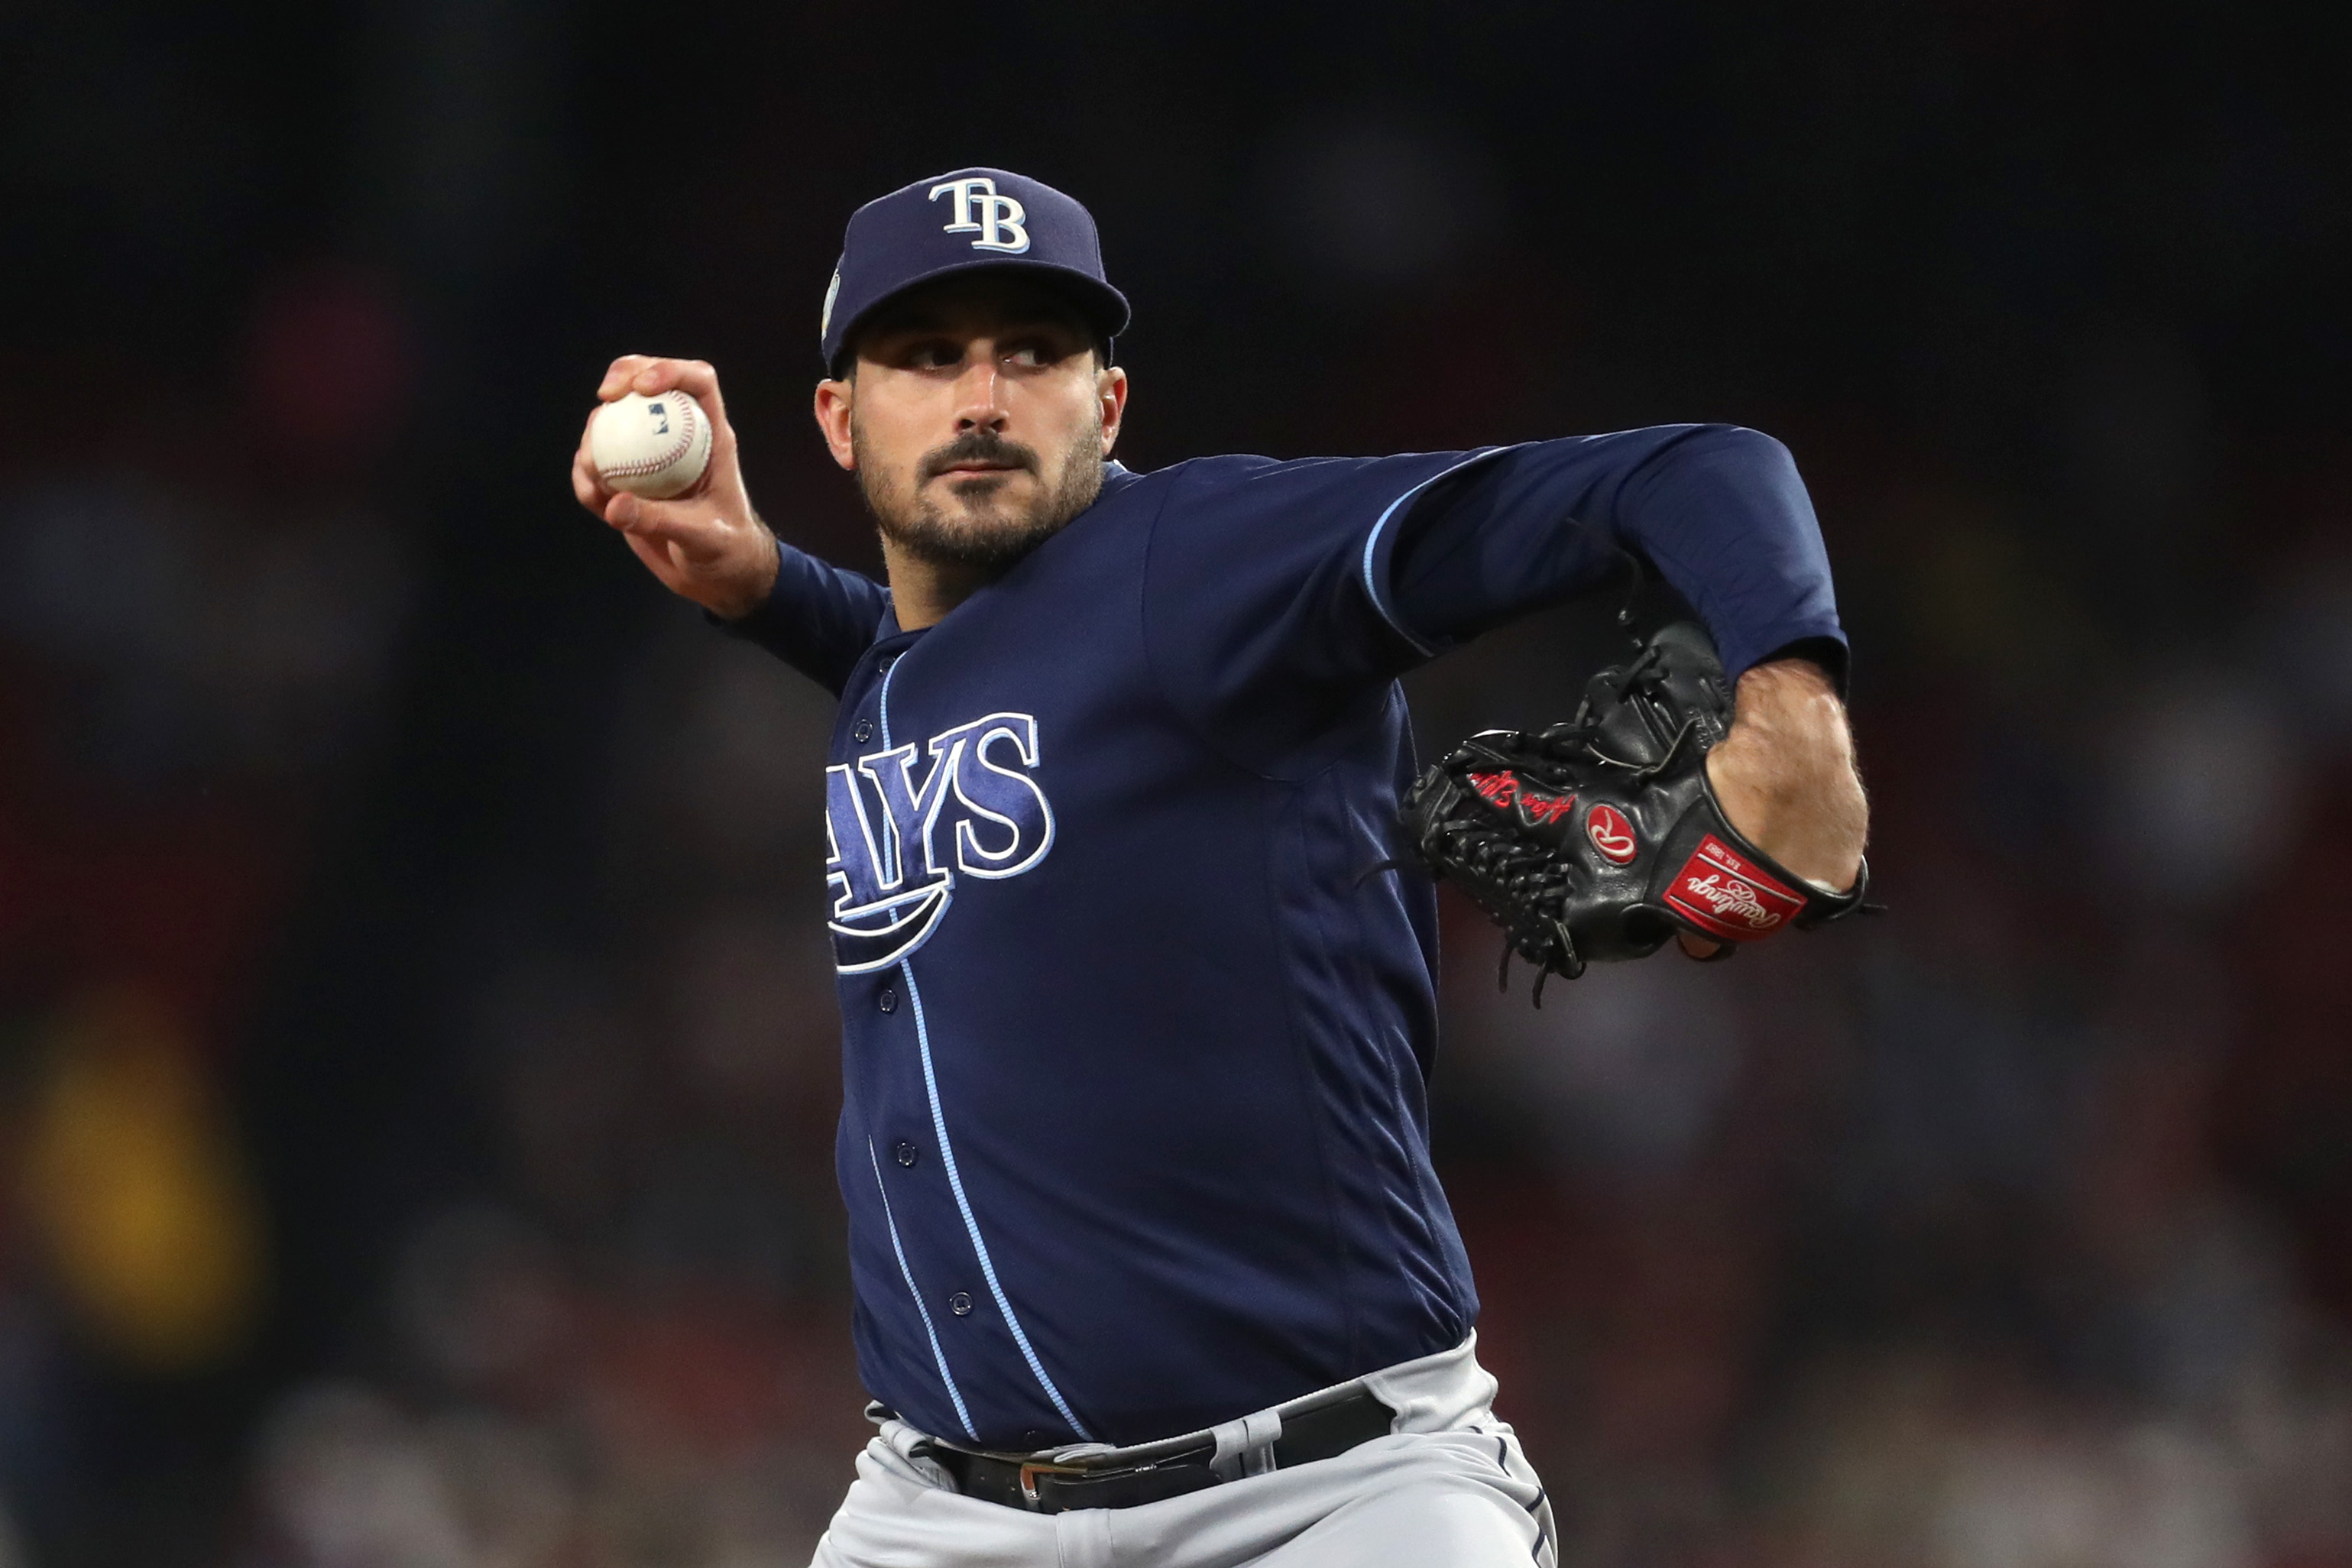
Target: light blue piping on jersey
(907,1274)
(971,1226)
(1372,541)
(948,1159)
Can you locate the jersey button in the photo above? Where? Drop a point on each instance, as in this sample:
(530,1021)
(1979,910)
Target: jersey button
(960,1304)
(862,731)
(888,1000)
(905,1153)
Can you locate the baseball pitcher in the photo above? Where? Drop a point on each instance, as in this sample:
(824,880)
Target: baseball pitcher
(1137,949)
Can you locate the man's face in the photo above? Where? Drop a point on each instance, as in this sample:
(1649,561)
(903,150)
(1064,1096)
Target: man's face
(977,421)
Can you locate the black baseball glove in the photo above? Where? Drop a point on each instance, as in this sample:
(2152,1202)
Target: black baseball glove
(1600,838)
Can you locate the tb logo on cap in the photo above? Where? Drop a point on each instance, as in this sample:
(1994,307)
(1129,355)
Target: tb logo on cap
(978,209)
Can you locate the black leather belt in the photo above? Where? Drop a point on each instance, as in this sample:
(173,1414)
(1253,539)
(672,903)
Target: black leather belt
(1147,1475)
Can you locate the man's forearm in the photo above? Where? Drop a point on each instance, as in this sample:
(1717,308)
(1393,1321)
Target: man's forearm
(1786,777)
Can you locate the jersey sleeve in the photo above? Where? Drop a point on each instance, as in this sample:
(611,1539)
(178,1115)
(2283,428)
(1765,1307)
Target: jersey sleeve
(1257,618)
(1282,598)
(818,619)
(1718,511)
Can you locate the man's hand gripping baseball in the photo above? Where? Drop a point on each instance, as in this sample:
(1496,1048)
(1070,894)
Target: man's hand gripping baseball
(706,545)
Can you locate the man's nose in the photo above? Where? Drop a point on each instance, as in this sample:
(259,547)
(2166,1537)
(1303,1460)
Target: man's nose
(979,406)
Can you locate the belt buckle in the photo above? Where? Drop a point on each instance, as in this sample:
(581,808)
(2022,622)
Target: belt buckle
(1030,1469)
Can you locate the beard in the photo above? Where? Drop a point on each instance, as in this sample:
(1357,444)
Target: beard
(979,530)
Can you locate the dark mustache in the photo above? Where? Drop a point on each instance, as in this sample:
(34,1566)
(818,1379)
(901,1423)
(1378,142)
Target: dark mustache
(979,446)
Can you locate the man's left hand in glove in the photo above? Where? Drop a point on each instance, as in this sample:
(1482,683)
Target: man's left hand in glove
(1570,837)
(1785,776)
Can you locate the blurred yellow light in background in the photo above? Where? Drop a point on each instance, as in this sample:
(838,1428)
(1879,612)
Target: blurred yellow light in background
(133,1181)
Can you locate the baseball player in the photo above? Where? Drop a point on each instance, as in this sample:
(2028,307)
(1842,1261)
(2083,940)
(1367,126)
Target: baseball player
(1151,1264)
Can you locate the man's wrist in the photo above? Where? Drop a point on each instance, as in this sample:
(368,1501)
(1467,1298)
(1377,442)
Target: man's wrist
(1773,681)
(1784,775)
(760,586)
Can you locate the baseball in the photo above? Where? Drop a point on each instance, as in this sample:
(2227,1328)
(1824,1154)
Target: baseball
(653,447)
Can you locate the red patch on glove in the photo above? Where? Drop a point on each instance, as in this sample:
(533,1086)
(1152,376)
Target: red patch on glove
(1611,835)
(1727,895)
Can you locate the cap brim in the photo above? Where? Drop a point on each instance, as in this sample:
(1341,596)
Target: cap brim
(1104,307)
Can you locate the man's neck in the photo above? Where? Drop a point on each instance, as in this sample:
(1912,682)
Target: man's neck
(922,590)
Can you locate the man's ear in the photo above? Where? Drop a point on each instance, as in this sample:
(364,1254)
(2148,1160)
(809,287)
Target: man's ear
(1110,390)
(832,405)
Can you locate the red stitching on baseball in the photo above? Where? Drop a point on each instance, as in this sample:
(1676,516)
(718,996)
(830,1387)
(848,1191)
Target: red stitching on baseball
(690,411)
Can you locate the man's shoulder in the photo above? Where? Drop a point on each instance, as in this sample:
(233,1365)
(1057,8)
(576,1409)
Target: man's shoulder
(1242,477)
(1198,473)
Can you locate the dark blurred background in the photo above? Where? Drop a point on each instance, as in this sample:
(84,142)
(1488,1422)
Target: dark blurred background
(417,1058)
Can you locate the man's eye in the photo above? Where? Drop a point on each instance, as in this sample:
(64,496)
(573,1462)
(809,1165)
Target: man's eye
(922,355)
(1029,355)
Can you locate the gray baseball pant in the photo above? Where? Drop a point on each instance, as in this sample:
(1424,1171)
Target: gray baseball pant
(1448,1487)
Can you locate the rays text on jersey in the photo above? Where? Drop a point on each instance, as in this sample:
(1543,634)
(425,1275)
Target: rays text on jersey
(896,844)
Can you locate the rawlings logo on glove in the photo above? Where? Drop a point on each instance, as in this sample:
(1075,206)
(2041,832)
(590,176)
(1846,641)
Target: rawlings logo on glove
(1725,896)
(1611,835)
(1648,854)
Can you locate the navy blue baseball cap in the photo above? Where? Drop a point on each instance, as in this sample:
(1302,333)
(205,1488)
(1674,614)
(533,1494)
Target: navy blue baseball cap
(974,220)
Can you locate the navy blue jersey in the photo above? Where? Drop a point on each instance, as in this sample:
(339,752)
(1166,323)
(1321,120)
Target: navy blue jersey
(1134,1136)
